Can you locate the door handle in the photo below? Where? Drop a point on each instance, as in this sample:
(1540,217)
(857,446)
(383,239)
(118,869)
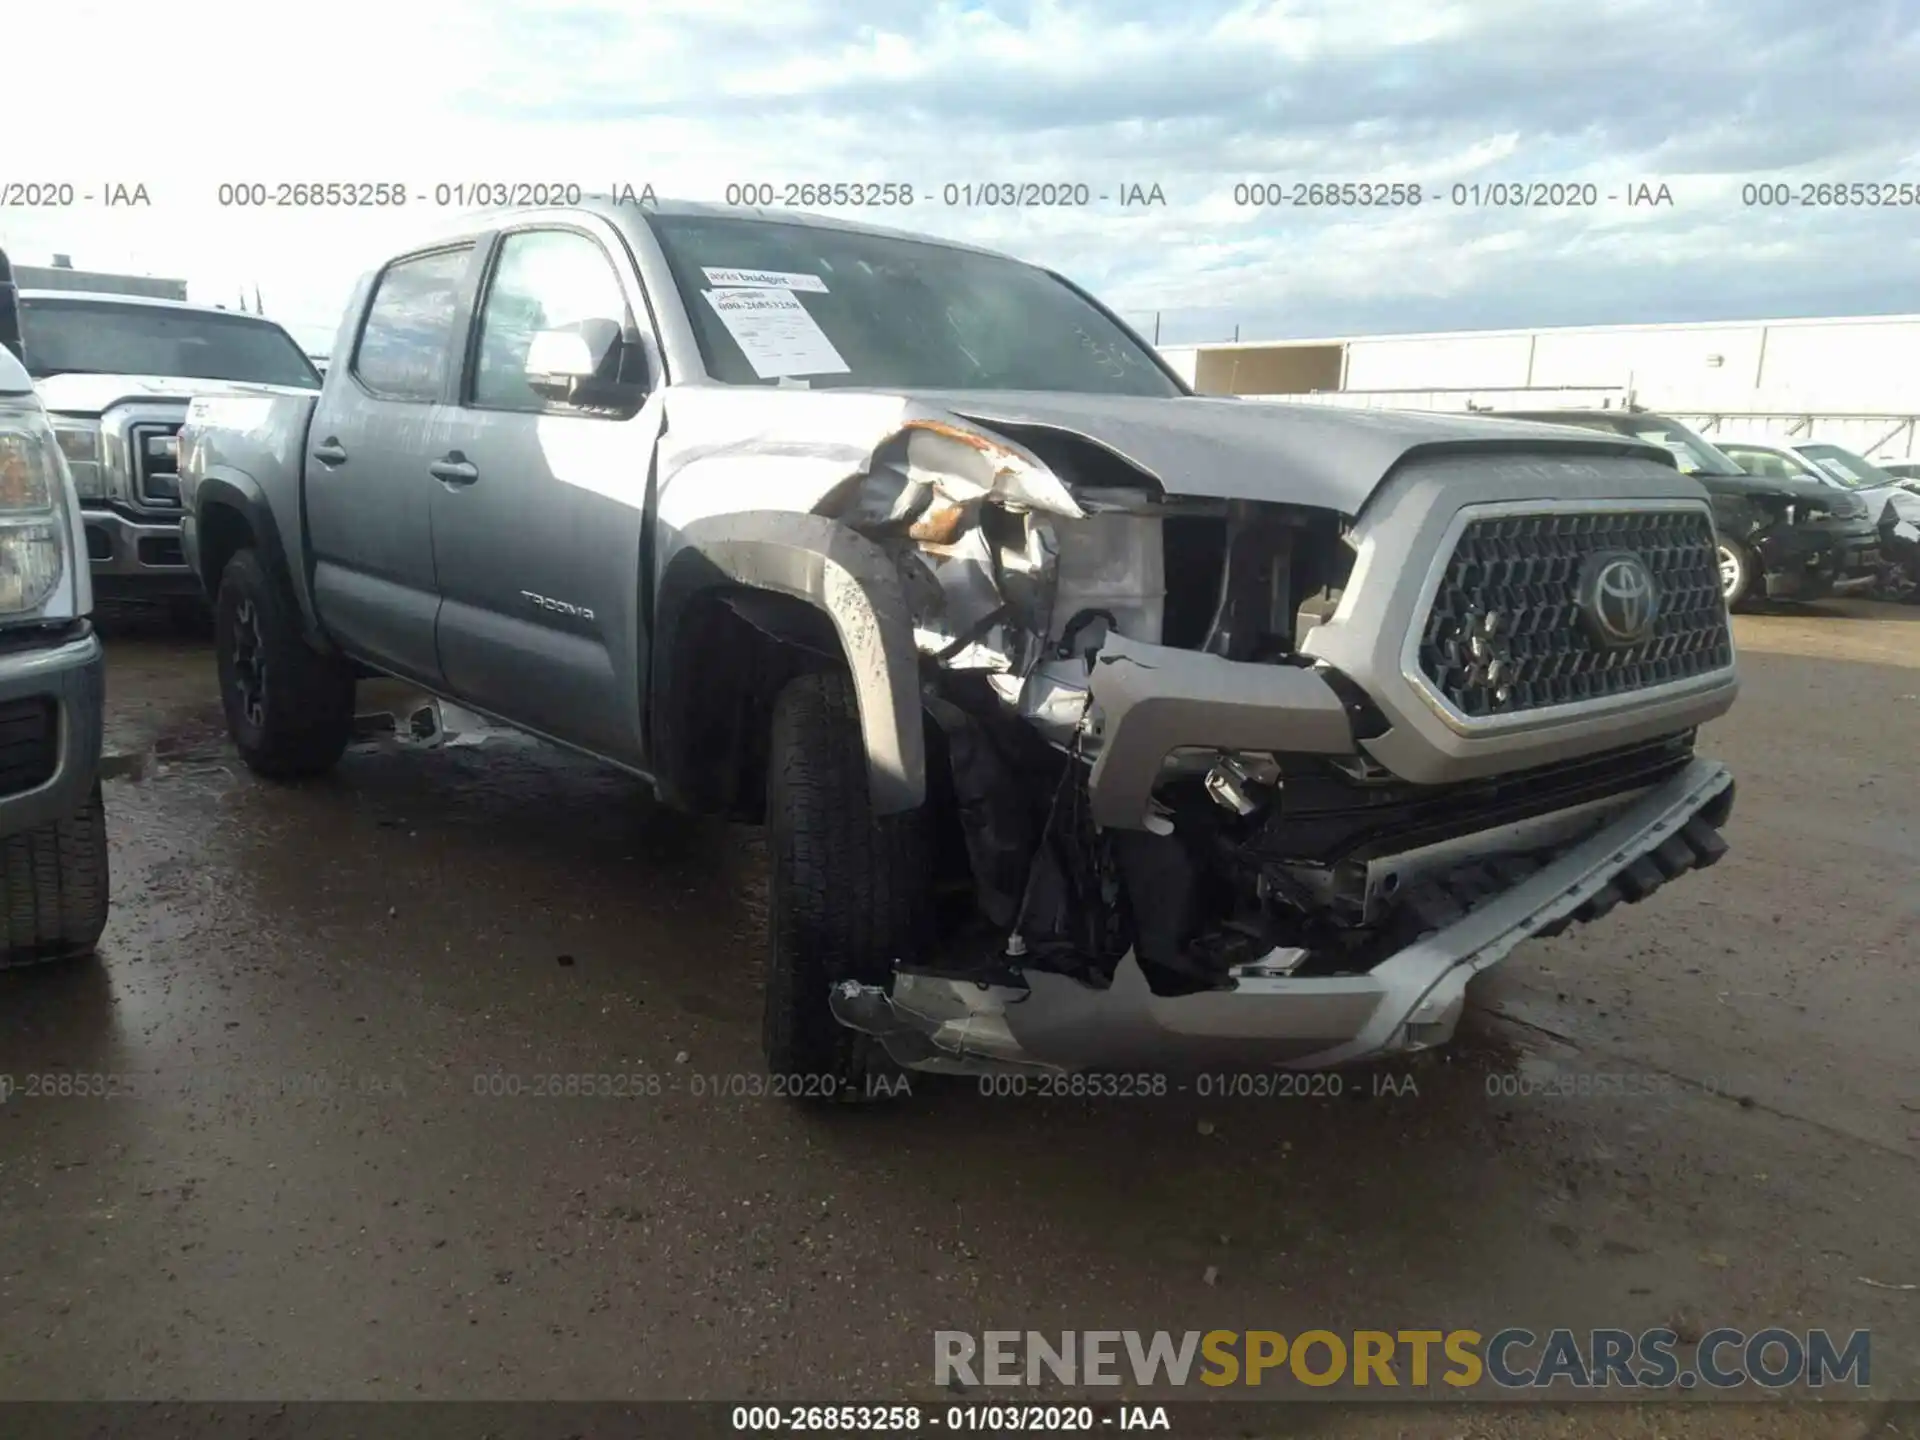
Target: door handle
(453,468)
(330,452)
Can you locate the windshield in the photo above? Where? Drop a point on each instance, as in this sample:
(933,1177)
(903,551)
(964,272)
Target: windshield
(90,337)
(1773,464)
(804,304)
(1691,452)
(1849,469)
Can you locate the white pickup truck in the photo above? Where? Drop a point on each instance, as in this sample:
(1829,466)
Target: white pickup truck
(1095,724)
(116,372)
(53,829)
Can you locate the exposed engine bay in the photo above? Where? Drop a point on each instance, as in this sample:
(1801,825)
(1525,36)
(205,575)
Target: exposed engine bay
(1065,609)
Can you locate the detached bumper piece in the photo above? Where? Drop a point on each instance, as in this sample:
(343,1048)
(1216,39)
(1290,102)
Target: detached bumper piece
(1410,1001)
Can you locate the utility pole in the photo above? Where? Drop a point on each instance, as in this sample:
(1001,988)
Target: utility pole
(1156,327)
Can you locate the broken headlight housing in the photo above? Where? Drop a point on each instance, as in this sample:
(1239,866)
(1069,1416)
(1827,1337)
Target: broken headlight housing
(36,529)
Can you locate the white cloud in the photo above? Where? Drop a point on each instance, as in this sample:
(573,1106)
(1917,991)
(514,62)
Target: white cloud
(689,95)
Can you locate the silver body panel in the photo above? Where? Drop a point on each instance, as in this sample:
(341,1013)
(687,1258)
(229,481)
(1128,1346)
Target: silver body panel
(538,586)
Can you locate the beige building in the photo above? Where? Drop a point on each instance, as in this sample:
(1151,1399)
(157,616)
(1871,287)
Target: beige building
(1854,380)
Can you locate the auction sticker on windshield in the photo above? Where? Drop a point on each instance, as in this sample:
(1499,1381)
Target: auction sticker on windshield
(775,333)
(764,280)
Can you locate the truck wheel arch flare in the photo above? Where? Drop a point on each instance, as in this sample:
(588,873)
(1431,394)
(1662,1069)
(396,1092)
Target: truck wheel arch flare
(842,574)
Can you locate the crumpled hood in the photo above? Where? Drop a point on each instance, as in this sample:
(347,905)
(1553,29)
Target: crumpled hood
(1779,486)
(1316,455)
(95,394)
(1239,449)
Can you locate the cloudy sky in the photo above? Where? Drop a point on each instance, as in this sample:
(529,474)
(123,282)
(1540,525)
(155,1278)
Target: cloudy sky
(1705,97)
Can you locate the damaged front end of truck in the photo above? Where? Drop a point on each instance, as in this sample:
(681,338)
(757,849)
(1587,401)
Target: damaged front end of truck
(1230,777)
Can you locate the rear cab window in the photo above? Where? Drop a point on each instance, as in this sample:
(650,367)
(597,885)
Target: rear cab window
(406,346)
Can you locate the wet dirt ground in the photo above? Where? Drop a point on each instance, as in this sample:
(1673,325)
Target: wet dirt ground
(310,1182)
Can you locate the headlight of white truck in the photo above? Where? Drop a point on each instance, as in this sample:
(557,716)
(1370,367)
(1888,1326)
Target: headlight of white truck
(80,443)
(33,513)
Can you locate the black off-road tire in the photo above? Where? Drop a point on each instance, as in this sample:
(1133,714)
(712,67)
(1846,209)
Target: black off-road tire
(289,708)
(847,893)
(54,887)
(1740,589)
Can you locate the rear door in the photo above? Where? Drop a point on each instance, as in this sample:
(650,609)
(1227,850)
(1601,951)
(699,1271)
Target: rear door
(379,424)
(537,544)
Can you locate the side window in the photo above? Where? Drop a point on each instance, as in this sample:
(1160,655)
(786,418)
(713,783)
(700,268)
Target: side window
(555,280)
(403,347)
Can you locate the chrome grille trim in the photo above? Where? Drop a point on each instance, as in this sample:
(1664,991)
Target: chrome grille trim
(146,466)
(1694,649)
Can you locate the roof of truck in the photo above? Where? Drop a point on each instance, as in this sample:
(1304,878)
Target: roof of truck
(108,297)
(624,212)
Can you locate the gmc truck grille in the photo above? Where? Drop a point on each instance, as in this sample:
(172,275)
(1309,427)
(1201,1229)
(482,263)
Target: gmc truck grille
(29,744)
(1506,634)
(156,463)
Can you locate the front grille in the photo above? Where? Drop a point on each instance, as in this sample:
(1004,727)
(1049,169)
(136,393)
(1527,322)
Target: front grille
(1505,633)
(29,744)
(156,466)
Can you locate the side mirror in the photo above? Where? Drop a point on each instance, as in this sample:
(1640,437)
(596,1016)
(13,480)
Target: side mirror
(593,365)
(557,360)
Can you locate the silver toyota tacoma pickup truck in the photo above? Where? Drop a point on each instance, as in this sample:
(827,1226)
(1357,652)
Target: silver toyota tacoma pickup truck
(1093,724)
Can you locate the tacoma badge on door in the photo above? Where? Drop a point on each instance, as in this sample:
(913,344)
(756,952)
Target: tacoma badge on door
(559,607)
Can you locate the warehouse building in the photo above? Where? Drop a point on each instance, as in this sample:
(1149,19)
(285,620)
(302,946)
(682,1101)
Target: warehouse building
(1851,380)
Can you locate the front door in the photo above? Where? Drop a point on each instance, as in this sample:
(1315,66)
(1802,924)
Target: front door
(368,488)
(537,536)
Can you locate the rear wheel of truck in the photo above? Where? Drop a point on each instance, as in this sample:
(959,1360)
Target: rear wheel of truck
(289,708)
(1738,569)
(847,893)
(54,887)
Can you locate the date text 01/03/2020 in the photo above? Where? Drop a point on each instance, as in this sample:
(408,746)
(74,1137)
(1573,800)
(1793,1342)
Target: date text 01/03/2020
(444,194)
(1206,1085)
(967,194)
(1477,195)
(979,1419)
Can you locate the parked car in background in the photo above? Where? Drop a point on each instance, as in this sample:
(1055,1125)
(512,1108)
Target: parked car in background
(916,554)
(53,833)
(1907,472)
(1894,506)
(1779,537)
(116,373)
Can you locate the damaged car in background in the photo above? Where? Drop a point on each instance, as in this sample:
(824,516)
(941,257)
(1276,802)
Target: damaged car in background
(1782,537)
(1094,724)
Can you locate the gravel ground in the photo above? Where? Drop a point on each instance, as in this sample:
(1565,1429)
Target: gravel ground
(303,1196)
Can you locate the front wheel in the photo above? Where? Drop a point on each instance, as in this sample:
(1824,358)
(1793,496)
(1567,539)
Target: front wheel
(289,707)
(54,887)
(1737,571)
(847,890)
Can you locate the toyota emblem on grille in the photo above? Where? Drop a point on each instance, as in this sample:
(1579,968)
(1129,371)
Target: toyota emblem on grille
(1618,598)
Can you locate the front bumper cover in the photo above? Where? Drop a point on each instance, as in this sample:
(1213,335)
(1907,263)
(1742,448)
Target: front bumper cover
(1411,1001)
(71,674)
(136,555)
(1809,561)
